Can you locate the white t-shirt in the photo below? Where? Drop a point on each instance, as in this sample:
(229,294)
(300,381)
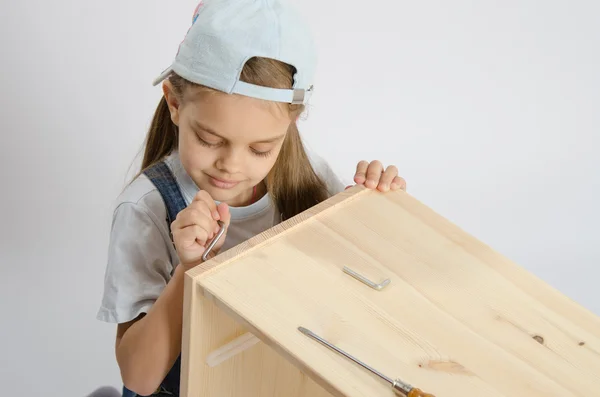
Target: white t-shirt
(141,256)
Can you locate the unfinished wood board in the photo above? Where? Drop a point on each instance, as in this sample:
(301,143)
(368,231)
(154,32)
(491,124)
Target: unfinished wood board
(457,319)
(257,371)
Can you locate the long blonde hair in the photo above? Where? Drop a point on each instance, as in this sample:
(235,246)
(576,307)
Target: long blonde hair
(292,182)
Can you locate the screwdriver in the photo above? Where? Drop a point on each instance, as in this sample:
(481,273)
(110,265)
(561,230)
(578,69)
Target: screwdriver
(399,387)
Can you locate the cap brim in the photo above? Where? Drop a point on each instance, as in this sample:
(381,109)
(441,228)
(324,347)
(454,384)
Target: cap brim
(163,76)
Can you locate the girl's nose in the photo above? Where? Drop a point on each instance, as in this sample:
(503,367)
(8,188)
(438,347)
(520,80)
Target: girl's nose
(229,162)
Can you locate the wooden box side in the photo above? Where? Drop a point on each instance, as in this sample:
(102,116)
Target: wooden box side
(479,300)
(257,371)
(207,326)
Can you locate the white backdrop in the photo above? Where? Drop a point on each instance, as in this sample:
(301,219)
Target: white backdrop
(489,110)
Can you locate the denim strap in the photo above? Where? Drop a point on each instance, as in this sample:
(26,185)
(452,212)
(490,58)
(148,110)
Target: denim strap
(164,180)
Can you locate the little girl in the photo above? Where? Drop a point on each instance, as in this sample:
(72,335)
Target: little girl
(223,147)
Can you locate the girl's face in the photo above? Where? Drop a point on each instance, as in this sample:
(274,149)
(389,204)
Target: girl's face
(227,143)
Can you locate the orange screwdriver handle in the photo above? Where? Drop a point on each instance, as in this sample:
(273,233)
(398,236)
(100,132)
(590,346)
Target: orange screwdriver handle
(405,390)
(418,393)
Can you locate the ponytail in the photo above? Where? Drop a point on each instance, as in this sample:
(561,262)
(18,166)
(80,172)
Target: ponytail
(162,136)
(292,183)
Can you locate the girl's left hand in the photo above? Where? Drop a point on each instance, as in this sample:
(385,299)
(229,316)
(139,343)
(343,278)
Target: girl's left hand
(373,175)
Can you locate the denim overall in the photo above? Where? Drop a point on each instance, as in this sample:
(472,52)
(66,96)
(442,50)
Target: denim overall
(160,175)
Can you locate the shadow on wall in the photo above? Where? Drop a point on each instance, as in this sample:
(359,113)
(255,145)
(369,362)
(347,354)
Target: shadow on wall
(105,391)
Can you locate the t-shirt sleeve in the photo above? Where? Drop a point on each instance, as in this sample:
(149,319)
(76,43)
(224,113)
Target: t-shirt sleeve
(139,264)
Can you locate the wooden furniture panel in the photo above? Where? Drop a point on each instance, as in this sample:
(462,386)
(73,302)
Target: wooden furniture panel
(457,318)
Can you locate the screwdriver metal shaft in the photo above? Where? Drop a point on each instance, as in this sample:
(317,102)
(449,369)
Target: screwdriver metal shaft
(399,387)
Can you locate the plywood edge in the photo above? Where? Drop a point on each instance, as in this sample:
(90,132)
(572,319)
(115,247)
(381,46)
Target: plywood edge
(189,324)
(207,268)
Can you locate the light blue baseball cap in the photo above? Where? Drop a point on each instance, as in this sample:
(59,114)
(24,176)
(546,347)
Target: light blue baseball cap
(226,33)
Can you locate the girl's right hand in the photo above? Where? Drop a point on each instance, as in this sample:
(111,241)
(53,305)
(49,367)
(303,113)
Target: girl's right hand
(196,226)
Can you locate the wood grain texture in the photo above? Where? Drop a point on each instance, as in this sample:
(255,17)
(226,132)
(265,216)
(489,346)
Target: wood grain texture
(458,318)
(257,371)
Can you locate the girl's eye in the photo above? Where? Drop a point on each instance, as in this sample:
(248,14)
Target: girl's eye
(213,145)
(261,154)
(205,143)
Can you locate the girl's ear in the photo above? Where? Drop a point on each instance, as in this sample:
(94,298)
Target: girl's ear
(172,101)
